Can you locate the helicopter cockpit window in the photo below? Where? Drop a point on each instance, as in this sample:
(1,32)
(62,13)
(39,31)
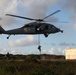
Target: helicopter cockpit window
(52,27)
(26,26)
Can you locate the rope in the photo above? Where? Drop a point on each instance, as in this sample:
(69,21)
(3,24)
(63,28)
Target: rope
(39,47)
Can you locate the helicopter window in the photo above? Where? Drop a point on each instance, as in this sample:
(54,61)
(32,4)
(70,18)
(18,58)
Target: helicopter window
(25,29)
(52,27)
(26,26)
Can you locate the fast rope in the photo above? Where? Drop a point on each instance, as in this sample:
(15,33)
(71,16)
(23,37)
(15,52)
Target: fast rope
(39,47)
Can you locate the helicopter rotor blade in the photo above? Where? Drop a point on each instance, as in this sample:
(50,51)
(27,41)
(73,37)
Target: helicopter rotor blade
(63,22)
(52,14)
(39,20)
(20,17)
(58,21)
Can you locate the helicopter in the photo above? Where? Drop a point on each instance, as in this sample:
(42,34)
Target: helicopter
(39,26)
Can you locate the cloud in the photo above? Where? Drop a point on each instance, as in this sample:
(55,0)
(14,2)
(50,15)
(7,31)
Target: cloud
(53,44)
(10,50)
(31,8)
(67,44)
(39,8)
(7,6)
(74,26)
(52,51)
(70,6)
(26,41)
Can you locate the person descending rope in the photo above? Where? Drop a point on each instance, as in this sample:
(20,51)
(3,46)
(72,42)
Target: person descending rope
(39,47)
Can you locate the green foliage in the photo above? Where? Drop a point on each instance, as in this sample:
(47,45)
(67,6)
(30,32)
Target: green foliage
(34,67)
(31,65)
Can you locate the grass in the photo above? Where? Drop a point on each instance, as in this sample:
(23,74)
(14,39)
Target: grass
(30,65)
(34,67)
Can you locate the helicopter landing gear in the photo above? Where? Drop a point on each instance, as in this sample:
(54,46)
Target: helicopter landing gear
(8,36)
(61,31)
(46,35)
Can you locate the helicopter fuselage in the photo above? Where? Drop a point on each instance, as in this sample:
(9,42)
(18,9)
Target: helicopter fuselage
(35,28)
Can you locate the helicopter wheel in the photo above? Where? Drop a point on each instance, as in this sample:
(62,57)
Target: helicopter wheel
(61,31)
(46,35)
(8,36)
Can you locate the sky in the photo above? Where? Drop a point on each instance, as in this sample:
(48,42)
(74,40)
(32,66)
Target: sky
(28,44)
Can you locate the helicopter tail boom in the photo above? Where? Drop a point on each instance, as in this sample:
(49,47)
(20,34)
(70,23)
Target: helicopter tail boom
(1,30)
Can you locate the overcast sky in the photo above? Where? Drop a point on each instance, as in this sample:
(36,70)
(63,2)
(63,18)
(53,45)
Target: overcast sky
(27,44)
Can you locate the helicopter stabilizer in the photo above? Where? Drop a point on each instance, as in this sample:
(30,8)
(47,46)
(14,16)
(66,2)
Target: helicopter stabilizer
(1,30)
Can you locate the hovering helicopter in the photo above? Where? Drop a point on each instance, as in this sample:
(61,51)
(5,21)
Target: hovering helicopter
(37,27)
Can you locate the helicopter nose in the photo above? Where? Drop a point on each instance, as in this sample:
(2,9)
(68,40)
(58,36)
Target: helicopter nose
(60,30)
